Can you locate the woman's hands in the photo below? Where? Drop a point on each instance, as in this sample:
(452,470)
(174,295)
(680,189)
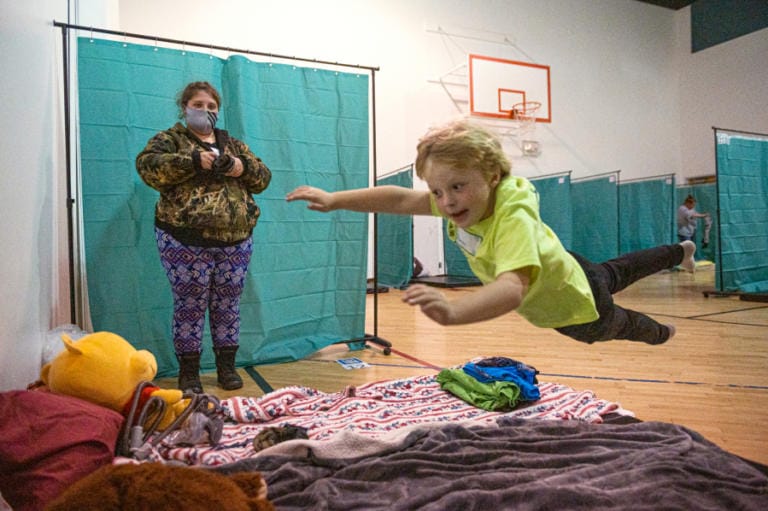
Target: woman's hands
(237,169)
(208,157)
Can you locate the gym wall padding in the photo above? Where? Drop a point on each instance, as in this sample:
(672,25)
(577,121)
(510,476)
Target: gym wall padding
(742,194)
(646,210)
(394,243)
(717,21)
(595,218)
(555,205)
(306,285)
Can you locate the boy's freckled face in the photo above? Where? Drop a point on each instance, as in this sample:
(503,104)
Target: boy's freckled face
(463,196)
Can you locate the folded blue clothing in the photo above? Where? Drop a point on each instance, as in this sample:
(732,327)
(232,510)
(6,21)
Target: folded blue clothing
(524,376)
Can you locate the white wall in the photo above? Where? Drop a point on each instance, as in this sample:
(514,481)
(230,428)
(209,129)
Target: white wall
(609,61)
(611,65)
(725,86)
(626,94)
(30,165)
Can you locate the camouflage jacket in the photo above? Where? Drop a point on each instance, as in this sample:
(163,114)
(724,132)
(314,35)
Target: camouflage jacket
(209,205)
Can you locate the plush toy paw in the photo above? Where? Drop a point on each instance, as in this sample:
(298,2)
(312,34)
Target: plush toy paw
(174,405)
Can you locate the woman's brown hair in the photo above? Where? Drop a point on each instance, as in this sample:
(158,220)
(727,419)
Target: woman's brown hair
(192,89)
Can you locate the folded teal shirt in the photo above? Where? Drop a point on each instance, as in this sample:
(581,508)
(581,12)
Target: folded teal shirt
(494,396)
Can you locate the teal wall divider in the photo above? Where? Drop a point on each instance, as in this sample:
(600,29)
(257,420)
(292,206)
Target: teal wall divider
(742,195)
(306,285)
(646,210)
(556,205)
(595,217)
(394,244)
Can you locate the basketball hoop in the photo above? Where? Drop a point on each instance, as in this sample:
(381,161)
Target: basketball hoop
(525,115)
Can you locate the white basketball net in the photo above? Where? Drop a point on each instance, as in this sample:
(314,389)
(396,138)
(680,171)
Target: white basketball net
(524,114)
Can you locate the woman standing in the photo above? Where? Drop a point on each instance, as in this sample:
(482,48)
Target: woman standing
(204,220)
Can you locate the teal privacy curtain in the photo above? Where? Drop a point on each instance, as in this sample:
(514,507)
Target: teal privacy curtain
(742,182)
(307,278)
(706,202)
(394,243)
(647,210)
(555,205)
(595,217)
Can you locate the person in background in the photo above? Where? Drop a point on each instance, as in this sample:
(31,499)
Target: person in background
(204,221)
(494,218)
(687,217)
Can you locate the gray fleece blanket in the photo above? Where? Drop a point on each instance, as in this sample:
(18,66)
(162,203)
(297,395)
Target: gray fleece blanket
(521,464)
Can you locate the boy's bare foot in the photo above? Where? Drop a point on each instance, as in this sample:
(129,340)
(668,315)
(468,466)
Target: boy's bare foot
(688,263)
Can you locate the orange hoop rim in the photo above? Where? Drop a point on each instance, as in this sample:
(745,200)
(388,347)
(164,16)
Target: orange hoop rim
(525,110)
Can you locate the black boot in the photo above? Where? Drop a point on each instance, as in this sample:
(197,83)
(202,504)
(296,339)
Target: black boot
(189,373)
(225,368)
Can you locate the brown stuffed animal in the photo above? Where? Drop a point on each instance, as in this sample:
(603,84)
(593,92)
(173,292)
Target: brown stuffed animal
(152,486)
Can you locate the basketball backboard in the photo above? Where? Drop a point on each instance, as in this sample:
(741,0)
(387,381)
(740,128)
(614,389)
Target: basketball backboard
(495,85)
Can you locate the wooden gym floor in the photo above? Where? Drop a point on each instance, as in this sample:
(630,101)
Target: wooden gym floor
(711,377)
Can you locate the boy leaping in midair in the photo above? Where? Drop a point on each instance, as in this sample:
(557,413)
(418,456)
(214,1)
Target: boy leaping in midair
(494,217)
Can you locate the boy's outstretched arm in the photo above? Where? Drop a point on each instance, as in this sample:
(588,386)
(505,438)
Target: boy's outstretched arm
(492,300)
(379,199)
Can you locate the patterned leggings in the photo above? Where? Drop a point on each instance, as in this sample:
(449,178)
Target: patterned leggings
(204,278)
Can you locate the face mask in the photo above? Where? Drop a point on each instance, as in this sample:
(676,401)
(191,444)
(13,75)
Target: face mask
(201,121)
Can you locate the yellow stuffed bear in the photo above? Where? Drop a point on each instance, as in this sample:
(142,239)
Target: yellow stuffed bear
(105,369)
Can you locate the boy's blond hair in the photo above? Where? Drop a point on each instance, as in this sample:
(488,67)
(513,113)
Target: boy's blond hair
(463,145)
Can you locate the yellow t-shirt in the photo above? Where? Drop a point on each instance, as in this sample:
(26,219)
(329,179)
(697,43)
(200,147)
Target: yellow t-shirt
(514,237)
